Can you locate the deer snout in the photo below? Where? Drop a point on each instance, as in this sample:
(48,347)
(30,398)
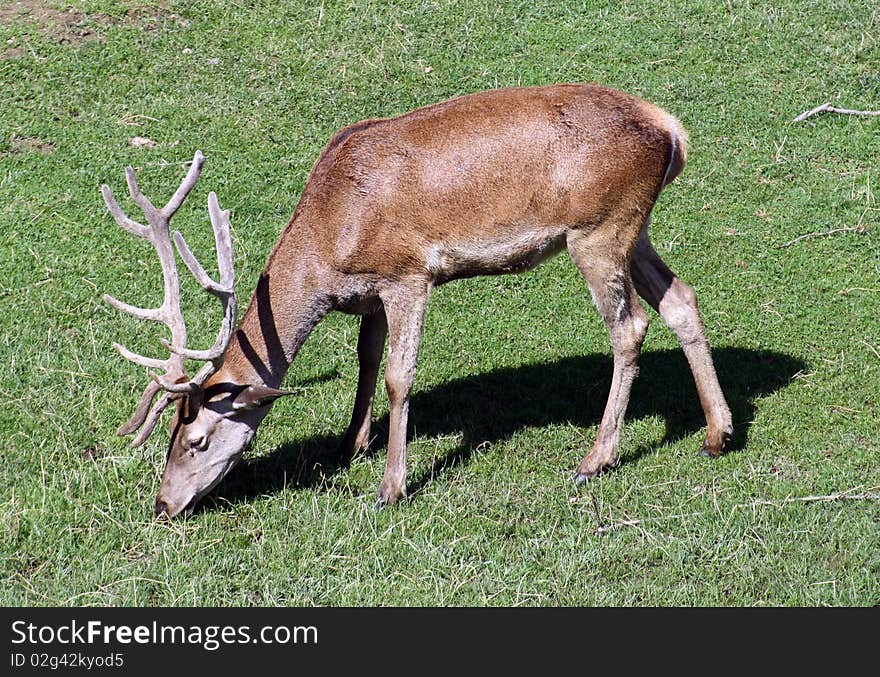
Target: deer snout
(168,508)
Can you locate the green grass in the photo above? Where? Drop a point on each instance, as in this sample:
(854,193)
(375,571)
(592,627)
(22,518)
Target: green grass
(514,370)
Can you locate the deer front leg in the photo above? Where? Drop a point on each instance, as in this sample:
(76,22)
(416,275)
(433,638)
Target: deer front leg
(405,311)
(677,304)
(371,342)
(616,299)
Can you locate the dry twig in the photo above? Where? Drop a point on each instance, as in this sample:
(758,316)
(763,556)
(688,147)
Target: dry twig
(807,236)
(827,107)
(850,494)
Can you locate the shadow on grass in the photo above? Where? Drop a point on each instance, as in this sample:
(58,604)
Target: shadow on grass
(492,406)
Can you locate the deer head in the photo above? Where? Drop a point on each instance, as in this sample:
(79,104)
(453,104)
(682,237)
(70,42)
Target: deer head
(214,419)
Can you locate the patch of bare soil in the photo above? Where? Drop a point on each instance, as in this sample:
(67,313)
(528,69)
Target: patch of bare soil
(66,26)
(70,27)
(32,143)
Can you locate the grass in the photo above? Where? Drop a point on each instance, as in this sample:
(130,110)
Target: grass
(514,370)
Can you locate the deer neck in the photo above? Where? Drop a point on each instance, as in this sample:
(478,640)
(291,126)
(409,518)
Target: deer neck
(284,309)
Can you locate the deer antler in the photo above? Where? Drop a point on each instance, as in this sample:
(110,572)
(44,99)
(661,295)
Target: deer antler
(174,380)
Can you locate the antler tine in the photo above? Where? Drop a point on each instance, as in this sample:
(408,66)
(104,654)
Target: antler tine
(223,242)
(223,239)
(192,263)
(141,411)
(140,313)
(192,176)
(139,198)
(130,225)
(150,362)
(224,290)
(152,418)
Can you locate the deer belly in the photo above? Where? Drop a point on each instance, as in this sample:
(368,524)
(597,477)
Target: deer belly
(498,256)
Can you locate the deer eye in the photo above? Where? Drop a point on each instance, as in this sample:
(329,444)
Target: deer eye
(198,443)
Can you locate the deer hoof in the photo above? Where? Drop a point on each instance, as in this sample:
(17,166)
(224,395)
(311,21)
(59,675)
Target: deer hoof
(388,496)
(714,445)
(589,469)
(584,474)
(709,452)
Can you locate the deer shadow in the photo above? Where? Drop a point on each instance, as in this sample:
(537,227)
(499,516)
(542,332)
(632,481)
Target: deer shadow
(492,406)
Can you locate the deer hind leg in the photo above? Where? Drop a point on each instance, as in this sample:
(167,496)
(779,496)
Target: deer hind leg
(405,310)
(371,343)
(608,277)
(677,304)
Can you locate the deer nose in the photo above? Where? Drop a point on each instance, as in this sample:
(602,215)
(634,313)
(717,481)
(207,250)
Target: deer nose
(161,508)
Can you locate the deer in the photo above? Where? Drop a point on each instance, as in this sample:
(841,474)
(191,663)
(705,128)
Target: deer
(486,183)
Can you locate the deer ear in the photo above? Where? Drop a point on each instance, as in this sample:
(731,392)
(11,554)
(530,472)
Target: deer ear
(257,396)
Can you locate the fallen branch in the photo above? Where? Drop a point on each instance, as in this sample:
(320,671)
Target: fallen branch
(849,494)
(827,107)
(807,236)
(850,290)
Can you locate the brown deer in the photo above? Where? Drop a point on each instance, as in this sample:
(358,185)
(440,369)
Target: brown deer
(483,184)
